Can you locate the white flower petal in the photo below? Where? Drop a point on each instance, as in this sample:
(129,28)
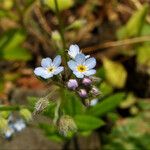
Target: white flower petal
(90,72)
(73,51)
(87,56)
(57,61)
(72,64)
(46,62)
(90,63)
(80,58)
(46,75)
(78,74)
(19,125)
(39,70)
(58,70)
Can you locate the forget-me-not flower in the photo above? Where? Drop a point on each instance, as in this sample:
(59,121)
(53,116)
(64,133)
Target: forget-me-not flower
(49,68)
(81,66)
(74,50)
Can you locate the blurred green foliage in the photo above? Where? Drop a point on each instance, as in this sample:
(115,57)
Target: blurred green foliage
(10,45)
(86,120)
(126,134)
(131,133)
(62,4)
(135,24)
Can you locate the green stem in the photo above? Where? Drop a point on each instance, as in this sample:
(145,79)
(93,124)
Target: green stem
(56,114)
(60,25)
(61,31)
(9,108)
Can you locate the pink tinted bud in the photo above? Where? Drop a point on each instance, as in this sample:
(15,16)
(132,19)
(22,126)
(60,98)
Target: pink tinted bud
(83,93)
(86,81)
(72,84)
(95,91)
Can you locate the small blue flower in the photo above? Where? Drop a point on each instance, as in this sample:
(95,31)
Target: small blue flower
(74,50)
(81,66)
(49,67)
(9,132)
(19,125)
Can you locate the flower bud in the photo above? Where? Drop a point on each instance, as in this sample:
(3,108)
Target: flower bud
(86,81)
(86,102)
(77,24)
(83,93)
(5,114)
(72,84)
(3,125)
(93,102)
(95,91)
(26,114)
(41,104)
(66,124)
(56,36)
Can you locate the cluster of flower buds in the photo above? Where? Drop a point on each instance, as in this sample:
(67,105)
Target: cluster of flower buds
(82,67)
(84,88)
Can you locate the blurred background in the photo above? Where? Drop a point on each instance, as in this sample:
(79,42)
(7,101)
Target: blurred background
(116,33)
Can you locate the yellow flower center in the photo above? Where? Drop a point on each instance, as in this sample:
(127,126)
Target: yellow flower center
(81,68)
(51,69)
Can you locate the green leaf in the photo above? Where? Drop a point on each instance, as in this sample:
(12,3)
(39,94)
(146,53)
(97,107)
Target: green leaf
(129,101)
(31,102)
(145,29)
(1,84)
(105,88)
(135,24)
(55,137)
(143,55)
(51,132)
(62,4)
(87,122)
(17,53)
(12,38)
(144,104)
(100,73)
(10,46)
(7,4)
(107,105)
(47,128)
(8,14)
(72,104)
(115,73)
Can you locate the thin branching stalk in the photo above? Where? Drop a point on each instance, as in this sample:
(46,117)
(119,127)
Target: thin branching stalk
(124,42)
(10,108)
(61,30)
(56,113)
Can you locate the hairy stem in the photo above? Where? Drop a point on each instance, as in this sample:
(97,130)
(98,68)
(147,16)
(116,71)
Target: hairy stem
(124,42)
(56,113)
